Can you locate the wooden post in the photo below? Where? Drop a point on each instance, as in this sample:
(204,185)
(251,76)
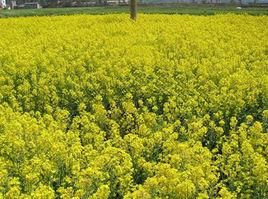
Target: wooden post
(133,9)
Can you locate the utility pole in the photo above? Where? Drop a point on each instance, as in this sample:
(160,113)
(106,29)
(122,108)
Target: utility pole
(133,9)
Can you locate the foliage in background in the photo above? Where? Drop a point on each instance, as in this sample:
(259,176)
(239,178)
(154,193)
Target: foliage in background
(104,107)
(193,9)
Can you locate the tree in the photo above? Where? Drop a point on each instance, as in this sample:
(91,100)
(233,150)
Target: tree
(133,9)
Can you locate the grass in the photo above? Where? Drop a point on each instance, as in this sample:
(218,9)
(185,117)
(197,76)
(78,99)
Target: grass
(165,9)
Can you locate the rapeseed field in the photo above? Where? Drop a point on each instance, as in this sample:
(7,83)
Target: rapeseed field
(169,106)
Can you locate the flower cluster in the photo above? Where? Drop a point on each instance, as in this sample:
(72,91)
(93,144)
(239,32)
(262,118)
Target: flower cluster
(169,106)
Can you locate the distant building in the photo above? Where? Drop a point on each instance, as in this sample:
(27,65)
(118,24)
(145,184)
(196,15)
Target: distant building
(123,1)
(116,2)
(31,5)
(3,4)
